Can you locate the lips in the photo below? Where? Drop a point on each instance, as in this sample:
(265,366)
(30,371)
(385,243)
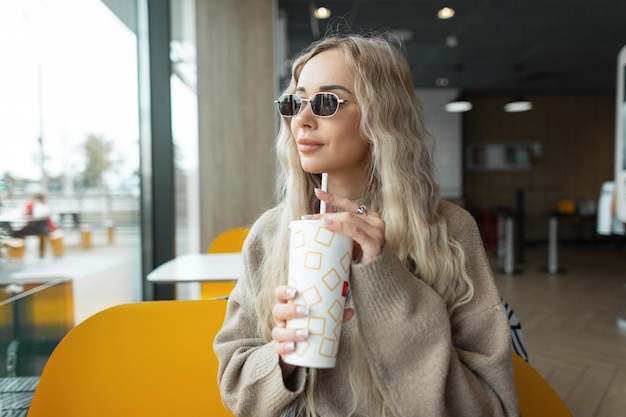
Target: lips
(309,145)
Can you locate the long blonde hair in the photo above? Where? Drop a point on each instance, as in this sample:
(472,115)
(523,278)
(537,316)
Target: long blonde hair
(402,185)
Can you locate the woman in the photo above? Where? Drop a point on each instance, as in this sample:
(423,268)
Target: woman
(424,333)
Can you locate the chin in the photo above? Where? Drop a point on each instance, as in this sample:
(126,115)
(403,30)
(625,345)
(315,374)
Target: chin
(312,168)
(313,172)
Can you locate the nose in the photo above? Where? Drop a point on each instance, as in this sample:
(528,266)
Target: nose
(305,117)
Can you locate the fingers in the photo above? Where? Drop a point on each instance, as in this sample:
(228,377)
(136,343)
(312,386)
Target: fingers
(286,339)
(284,293)
(344,204)
(365,227)
(283,311)
(348,313)
(368,234)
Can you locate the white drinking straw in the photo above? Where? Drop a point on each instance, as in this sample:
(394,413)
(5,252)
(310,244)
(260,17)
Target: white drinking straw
(324,188)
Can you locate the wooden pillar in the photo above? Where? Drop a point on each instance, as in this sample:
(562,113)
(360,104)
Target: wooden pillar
(237,84)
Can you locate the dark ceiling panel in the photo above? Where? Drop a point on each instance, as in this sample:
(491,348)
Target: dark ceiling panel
(505,46)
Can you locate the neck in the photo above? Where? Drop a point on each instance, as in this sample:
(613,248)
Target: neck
(351,188)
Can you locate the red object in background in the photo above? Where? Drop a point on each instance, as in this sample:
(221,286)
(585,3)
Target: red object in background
(29,211)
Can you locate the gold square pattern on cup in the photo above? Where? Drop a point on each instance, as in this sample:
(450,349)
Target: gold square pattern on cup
(336,310)
(311,296)
(327,347)
(324,236)
(313,260)
(317,325)
(332,279)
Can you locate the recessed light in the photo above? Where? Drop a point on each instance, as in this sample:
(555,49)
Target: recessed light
(445,13)
(518,105)
(321,13)
(442,82)
(452,41)
(460,105)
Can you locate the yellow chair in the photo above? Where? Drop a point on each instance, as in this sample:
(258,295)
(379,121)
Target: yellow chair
(139,359)
(156,359)
(230,240)
(536,397)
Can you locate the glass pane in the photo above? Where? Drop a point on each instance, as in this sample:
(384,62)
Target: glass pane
(69,129)
(185,134)
(185,124)
(34,317)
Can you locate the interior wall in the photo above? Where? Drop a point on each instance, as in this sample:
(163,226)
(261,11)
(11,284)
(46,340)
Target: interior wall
(237,119)
(445,128)
(576,134)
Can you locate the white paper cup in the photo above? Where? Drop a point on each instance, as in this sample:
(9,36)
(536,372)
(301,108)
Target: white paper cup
(319,268)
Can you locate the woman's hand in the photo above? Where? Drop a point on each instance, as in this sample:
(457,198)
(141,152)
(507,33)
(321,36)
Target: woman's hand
(366,229)
(282,312)
(285,339)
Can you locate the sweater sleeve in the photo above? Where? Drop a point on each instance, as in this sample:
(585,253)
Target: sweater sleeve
(249,375)
(424,361)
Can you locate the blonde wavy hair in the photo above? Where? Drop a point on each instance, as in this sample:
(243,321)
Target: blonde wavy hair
(401,187)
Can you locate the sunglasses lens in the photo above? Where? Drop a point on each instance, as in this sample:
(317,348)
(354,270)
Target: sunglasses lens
(324,104)
(289,104)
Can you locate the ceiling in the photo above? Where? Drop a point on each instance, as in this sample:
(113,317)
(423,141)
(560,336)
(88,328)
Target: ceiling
(503,46)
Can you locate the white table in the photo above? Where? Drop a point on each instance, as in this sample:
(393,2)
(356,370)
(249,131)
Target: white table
(188,271)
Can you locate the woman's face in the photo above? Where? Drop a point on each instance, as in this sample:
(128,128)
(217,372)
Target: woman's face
(330,144)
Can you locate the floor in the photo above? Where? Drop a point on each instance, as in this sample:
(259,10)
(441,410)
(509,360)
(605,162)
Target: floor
(569,322)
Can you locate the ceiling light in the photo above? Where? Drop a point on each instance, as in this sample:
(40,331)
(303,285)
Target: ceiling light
(445,13)
(442,82)
(518,104)
(321,13)
(452,41)
(460,105)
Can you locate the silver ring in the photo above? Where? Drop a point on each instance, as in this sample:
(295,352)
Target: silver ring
(361,210)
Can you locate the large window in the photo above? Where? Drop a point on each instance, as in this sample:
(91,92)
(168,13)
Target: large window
(68,128)
(79,100)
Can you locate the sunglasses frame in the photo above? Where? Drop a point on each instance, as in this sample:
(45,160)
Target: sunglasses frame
(305,101)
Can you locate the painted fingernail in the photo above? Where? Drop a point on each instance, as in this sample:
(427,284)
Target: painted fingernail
(302,310)
(302,333)
(290,291)
(289,346)
(319,191)
(326,221)
(307,217)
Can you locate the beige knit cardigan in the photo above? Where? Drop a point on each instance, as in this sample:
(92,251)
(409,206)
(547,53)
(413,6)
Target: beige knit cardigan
(423,361)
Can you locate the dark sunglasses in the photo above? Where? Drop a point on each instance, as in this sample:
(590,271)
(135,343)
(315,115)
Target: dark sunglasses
(322,104)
